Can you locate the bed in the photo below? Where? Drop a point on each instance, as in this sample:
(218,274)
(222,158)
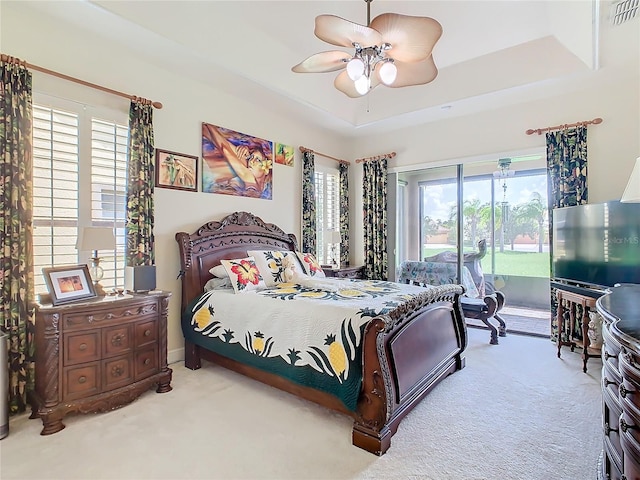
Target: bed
(399,352)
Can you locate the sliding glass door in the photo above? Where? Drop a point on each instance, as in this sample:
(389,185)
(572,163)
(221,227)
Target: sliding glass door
(496,219)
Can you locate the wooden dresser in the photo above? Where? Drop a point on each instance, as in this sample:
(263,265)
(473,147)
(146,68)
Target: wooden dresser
(98,355)
(621,382)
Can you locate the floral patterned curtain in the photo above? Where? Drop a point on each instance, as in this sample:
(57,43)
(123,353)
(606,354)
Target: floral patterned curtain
(567,186)
(344,213)
(308,203)
(16,229)
(140,183)
(374,182)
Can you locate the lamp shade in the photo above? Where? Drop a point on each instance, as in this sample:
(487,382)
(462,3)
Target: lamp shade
(632,192)
(334,236)
(96,238)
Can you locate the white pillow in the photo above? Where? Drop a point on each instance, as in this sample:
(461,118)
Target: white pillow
(277,266)
(244,274)
(219,271)
(310,265)
(218,284)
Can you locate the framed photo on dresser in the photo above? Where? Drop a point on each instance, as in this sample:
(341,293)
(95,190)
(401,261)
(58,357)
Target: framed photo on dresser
(69,283)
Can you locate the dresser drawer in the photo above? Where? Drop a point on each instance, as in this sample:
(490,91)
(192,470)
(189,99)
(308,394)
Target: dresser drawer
(116,340)
(81,347)
(611,412)
(81,381)
(146,333)
(117,372)
(146,362)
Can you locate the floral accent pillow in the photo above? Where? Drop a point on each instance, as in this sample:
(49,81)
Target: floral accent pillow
(244,274)
(277,266)
(310,265)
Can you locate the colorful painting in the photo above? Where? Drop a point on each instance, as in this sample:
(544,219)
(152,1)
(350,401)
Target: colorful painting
(176,170)
(284,154)
(234,163)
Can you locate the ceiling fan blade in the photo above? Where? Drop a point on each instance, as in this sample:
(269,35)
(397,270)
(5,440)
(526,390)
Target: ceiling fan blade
(323,62)
(346,85)
(412,38)
(343,33)
(413,73)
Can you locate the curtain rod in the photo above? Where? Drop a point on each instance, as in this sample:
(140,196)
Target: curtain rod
(539,131)
(305,149)
(377,157)
(17,61)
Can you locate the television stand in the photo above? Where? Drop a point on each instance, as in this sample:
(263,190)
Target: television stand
(573,299)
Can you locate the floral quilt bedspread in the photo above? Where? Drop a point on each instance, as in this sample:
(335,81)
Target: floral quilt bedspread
(309,332)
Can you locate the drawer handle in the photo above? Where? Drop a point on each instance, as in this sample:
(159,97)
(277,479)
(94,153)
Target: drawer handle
(83,347)
(624,426)
(82,379)
(117,340)
(608,382)
(607,355)
(147,361)
(629,359)
(147,333)
(117,371)
(624,392)
(608,429)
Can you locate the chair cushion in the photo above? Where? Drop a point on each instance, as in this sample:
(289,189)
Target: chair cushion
(473,304)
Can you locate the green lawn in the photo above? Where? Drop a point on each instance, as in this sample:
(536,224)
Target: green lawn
(525,264)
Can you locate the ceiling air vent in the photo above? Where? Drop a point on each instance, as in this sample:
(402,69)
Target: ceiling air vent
(624,11)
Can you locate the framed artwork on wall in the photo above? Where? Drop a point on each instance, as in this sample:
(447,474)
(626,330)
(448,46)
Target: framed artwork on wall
(235,163)
(284,154)
(69,283)
(176,170)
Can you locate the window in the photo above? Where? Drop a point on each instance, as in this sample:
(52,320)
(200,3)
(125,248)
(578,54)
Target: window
(327,183)
(70,193)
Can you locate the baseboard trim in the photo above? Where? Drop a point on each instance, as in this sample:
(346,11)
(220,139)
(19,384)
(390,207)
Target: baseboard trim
(175,356)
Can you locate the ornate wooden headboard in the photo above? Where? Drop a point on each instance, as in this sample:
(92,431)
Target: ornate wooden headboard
(229,238)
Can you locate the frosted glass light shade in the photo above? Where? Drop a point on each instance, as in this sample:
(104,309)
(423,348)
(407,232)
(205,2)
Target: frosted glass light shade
(362,85)
(632,192)
(388,72)
(355,69)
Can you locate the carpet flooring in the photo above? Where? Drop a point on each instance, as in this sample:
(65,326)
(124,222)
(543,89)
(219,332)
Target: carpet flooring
(516,412)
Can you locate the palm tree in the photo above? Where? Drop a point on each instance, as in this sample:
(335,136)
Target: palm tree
(535,211)
(472,213)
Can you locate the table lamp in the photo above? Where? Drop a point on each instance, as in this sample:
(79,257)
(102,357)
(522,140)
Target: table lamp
(94,239)
(632,192)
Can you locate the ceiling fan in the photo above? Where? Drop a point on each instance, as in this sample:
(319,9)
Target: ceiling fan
(393,49)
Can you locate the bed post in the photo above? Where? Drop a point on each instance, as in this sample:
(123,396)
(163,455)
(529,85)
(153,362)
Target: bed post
(192,355)
(371,431)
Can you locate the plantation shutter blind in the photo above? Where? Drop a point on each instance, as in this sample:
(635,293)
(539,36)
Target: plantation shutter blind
(327,211)
(55,190)
(69,193)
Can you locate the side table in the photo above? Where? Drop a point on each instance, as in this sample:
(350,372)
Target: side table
(344,272)
(574,299)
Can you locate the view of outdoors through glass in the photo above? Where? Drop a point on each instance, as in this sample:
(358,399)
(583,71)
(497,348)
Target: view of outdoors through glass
(510,213)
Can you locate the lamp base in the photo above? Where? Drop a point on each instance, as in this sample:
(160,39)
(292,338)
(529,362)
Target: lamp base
(99,290)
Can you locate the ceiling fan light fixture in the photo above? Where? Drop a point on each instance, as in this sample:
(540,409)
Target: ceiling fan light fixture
(393,49)
(355,68)
(362,85)
(388,72)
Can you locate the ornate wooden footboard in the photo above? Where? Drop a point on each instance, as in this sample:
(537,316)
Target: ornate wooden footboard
(405,352)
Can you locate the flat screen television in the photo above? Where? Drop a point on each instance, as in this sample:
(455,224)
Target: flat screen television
(597,244)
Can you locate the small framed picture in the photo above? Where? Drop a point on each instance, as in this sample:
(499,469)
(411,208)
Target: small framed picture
(69,283)
(176,170)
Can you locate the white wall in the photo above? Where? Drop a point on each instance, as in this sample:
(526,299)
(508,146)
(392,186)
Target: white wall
(177,127)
